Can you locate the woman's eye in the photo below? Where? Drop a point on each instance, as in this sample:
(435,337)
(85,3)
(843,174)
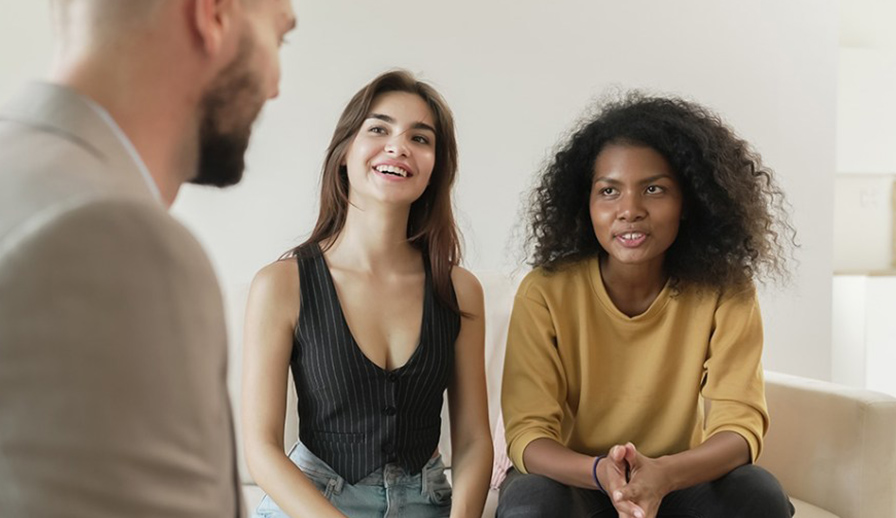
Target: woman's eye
(421,139)
(608,191)
(379,130)
(654,189)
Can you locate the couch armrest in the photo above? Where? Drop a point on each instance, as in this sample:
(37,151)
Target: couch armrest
(832,446)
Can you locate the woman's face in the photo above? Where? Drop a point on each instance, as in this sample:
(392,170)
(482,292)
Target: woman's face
(391,158)
(636,204)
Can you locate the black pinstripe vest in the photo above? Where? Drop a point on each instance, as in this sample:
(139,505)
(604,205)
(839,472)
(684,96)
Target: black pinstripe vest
(354,415)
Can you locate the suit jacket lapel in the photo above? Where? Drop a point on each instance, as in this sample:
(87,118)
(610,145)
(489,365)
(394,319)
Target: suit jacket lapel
(62,111)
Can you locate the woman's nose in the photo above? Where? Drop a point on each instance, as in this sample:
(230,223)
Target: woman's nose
(631,208)
(397,146)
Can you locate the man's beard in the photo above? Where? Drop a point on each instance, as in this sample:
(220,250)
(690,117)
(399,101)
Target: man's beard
(229,109)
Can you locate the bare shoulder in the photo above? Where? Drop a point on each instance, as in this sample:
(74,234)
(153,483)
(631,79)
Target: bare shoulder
(276,286)
(468,290)
(283,270)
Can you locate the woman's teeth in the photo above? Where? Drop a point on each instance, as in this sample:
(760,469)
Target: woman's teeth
(391,169)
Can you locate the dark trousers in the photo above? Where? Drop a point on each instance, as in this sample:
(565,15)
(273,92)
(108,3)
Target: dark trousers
(747,492)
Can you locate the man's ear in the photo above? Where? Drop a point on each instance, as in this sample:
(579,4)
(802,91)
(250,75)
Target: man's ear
(212,19)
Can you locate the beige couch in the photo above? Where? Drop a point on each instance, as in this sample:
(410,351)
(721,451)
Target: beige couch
(833,448)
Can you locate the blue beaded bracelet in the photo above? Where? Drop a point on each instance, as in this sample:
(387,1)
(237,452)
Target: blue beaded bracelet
(594,474)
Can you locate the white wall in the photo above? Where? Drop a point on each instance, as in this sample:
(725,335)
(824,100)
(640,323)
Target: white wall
(866,108)
(864,215)
(864,332)
(864,210)
(866,149)
(517,74)
(25,43)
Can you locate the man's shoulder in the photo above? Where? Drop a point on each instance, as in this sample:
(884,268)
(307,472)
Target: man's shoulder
(103,232)
(40,170)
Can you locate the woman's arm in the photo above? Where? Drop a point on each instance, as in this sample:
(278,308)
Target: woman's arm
(737,417)
(717,456)
(471,438)
(271,315)
(652,479)
(549,458)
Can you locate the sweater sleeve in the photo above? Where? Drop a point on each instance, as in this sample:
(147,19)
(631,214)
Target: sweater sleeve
(534,383)
(733,382)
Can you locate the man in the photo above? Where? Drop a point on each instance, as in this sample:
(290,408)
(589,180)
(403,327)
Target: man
(113,399)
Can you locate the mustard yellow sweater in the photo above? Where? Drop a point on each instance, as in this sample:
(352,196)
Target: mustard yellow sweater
(582,373)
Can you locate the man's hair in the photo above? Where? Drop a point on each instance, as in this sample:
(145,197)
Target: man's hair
(97,20)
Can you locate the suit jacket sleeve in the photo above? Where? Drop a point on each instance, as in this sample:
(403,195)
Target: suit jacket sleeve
(113,396)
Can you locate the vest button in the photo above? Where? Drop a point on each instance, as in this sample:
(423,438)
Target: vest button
(388,448)
(389,411)
(392,377)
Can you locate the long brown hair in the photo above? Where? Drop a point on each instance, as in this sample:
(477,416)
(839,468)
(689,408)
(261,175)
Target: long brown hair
(431,226)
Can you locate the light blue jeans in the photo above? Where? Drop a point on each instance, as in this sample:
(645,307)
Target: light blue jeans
(389,492)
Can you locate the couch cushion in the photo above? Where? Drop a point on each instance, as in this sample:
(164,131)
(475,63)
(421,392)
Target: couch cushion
(804,510)
(252,496)
(832,445)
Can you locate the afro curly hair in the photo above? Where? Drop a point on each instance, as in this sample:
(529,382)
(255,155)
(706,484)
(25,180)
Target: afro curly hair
(736,228)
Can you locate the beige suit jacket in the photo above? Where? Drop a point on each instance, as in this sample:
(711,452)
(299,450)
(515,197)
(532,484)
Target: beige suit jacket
(113,398)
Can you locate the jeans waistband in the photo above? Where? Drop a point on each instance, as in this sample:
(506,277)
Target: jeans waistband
(389,475)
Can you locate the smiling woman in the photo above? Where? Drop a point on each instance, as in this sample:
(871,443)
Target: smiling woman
(376,319)
(395,145)
(431,227)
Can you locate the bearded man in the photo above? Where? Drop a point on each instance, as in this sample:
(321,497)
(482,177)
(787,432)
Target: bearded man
(113,398)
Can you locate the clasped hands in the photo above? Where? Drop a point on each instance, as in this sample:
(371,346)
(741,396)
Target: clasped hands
(635,483)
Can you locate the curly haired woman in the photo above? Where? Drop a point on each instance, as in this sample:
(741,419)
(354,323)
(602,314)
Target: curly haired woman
(632,384)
